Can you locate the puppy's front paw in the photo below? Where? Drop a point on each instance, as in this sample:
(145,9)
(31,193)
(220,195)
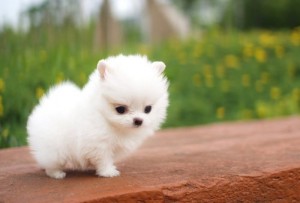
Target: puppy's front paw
(108,172)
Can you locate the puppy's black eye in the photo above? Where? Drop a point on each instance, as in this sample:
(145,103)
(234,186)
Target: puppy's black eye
(121,109)
(147,109)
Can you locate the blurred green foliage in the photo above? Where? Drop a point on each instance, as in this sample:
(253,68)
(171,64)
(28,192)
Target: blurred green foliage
(271,14)
(221,76)
(245,14)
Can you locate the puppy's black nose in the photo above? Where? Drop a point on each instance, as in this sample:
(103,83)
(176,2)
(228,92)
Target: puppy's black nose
(137,122)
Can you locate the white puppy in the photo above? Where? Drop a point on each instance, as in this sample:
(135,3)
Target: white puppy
(123,103)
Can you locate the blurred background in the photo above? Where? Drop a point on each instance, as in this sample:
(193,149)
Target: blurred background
(226,59)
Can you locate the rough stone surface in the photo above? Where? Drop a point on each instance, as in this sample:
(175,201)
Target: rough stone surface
(257,161)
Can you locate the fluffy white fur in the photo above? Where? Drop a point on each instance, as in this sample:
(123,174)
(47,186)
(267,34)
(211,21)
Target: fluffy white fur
(81,128)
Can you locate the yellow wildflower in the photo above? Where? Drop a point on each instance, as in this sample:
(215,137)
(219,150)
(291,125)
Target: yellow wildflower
(231,61)
(220,71)
(261,109)
(245,80)
(296,94)
(59,78)
(143,49)
(279,51)
(267,39)
(39,92)
(220,113)
(248,50)
(208,76)
(260,55)
(209,80)
(275,93)
(207,70)
(247,114)
(2,85)
(295,37)
(5,133)
(1,107)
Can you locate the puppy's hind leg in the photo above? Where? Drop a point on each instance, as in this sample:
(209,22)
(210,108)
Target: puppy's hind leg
(52,163)
(55,173)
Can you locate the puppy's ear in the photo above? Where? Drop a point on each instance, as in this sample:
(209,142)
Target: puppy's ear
(102,68)
(159,66)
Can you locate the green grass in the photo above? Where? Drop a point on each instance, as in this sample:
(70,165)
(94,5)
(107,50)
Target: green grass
(222,76)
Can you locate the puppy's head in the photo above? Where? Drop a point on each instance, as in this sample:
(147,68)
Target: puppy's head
(134,91)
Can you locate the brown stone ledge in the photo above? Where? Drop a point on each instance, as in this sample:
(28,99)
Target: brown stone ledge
(257,161)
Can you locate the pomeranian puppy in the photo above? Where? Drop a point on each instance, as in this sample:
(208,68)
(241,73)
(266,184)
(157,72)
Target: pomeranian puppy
(124,102)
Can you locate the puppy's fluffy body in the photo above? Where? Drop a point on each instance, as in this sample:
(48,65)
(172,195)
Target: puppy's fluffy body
(83,128)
